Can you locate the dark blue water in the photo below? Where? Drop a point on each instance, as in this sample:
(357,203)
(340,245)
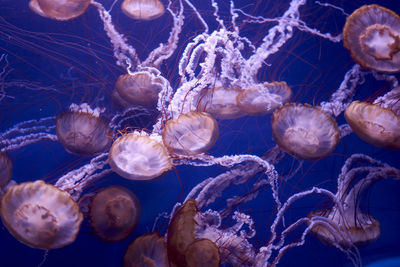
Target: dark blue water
(52,64)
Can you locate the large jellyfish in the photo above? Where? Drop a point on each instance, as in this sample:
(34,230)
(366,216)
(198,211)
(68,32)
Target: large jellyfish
(264,99)
(372,34)
(83,132)
(347,225)
(305,132)
(139,88)
(143,9)
(220,102)
(191,133)
(146,250)
(139,157)
(376,125)
(59,9)
(114,213)
(40,215)
(184,248)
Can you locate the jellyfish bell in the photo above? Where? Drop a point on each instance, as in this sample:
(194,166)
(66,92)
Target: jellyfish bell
(181,232)
(143,9)
(372,34)
(40,215)
(5,169)
(114,213)
(83,133)
(264,99)
(358,230)
(139,88)
(139,157)
(146,251)
(191,133)
(376,125)
(59,9)
(220,102)
(202,252)
(304,131)
(184,247)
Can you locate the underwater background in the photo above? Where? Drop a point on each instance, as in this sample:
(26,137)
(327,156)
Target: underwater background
(49,64)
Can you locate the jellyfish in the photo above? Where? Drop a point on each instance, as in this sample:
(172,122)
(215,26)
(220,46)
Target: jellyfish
(220,102)
(304,131)
(83,133)
(202,252)
(138,88)
(190,133)
(347,225)
(114,213)
(264,99)
(372,35)
(59,9)
(146,250)
(139,157)
(184,249)
(40,215)
(5,169)
(143,9)
(374,124)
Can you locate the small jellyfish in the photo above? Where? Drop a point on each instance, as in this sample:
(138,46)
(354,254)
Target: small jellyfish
(143,9)
(304,131)
(375,125)
(147,250)
(139,157)
(59,9)
(83,133)
(265,99)
(372,34)
(184,249)
(5,169)
(40,215)
(139,88)
(114,213)
(190,133)
(356,229)
(220,102)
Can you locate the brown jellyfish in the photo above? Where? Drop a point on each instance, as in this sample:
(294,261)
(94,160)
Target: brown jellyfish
(356,229)
(83,133)
(5,169)
(190,133)
(202,252)
(184,249)
(304,131)
(59,9)
(181,232)
(220,102)
(143,9)
(372,34)
(139,88)
(348,225)
(264,100)
(40,215)
(375,125)
(114,213)
(139,157)
(147,250)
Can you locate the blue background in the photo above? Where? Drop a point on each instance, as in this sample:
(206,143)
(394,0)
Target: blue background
(75,58)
